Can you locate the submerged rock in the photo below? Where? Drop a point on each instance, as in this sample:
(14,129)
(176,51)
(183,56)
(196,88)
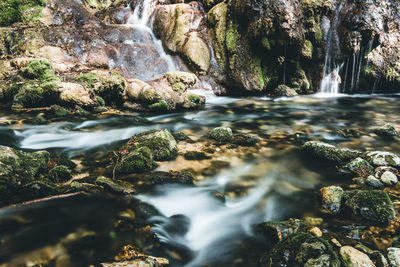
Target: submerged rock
(330,199)
(352,257)
(161,143)
(171,177)
(221,134)
(301,249)
(330,153)
(245,139)
(388,130)
(372,206)
(196,155)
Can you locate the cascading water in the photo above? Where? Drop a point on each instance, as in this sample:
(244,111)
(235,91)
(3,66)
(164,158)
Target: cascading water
(141,19)
(331,80)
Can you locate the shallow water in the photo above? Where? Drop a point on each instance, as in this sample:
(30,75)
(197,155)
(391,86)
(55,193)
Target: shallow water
(270,182)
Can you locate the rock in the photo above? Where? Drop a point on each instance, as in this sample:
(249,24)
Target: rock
(329,153)
(172,177)
(245,139)
(221,134)
(358,166)
(330,199)
(116,186)
(138,90)
(197,53)
(284,90)
(374,182)
(388,130)
(388,178)
(108,85)
(394,256)
(180,81)
(180,136)
(352,257)
(161,143)
(301,249)
(36,95)
(196,155)
(315,231)
(60,173)
(72,94)
(379,259)
(19,169)
(275,231)
(138,160)
(381,169)
(374,207)
(380,158)
(40,70)
(13,11)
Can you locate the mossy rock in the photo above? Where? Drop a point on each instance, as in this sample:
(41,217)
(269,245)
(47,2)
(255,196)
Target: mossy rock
(372,206)
(180,81)
(299,250)
(357,166)
(33,94)
(40,70)
(273,231)
(193,101)
(221,134)
(110,86)
(60,173)
(12,11)
(284,90)
(161,143)
(329,153)
(160,107)
(137,161)
(19,171)
(171,177)
(196,155)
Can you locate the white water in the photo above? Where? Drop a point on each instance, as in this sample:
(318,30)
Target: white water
(330,84)
(213,225)
(141,19)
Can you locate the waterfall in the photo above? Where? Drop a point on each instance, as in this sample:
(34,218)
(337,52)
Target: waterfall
(331,80)
(141,19)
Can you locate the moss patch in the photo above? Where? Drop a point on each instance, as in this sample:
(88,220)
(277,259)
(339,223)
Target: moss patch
(40,70)
(12,11)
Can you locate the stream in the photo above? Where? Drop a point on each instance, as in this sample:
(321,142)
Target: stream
(195,227)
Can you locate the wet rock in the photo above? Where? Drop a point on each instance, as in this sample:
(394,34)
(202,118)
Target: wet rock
(315,231)
(301,249)
(180,136)
(330,153)
(245,139)
(275,231)
(394,256)
(372,206)
(60,173)
(21,175)
(180,81)
(379,259)
(115,186)
(284,90)
(374,182)
(381,169)
(196,155)
(388,178)
(72,94)
(352,257)
(221,134)
(171,177)
(108,85)
(358,166)
(161,143)
(388,130)
(380,158)
(138,160)
(197,53)
(330,199)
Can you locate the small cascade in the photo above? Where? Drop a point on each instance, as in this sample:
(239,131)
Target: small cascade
(331,80)
(141,19)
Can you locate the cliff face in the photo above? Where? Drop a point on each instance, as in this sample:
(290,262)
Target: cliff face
(239,46)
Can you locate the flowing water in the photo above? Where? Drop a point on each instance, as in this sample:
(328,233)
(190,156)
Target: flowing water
(211,222)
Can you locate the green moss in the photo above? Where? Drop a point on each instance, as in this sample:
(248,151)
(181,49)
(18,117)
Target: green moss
(373,206)
(161,106)
(232,37)
(301,249)
(221,134)
(40,70)
(36,95)
(217,32)
(100,101)
(12,11)
(60,173)
(308,49)
(139,160)
(89,78)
